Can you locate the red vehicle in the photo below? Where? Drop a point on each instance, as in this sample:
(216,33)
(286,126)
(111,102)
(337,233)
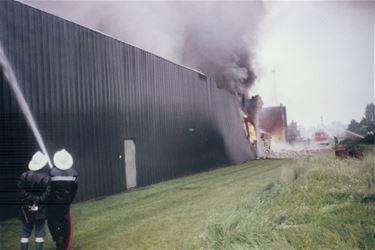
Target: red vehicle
(322,138)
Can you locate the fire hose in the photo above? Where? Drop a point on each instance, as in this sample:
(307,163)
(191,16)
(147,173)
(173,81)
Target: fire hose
(70,239)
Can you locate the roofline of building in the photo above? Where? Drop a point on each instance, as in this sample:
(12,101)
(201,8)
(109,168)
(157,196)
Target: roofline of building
(112,37)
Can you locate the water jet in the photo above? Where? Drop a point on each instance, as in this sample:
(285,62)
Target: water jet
(11,79)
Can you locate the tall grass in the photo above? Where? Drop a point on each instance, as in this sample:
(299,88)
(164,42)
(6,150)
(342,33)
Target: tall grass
(316,203)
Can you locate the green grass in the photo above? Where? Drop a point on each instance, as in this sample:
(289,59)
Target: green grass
(317,202)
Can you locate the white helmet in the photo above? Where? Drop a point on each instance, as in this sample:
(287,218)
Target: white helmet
(63,160)
(38,161)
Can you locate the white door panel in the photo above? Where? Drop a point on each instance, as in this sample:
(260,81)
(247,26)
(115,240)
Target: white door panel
(130,166)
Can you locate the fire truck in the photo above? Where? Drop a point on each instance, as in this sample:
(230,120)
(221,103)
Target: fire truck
(322,138)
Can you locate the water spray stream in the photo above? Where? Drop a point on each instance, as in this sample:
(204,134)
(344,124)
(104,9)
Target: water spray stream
(355,134)
(13,83)
(347,131)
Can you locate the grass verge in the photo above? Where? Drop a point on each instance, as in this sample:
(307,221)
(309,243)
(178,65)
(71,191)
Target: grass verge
(169,215)
(318,202)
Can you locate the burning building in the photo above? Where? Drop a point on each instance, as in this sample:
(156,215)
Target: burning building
(273,121)
(128,117)
(251,108)
(269,125)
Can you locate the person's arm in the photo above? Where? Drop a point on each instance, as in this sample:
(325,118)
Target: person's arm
(25,196)
(44,196)
(74,190)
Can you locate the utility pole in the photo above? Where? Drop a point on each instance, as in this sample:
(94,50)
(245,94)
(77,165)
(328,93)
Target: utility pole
(274,86)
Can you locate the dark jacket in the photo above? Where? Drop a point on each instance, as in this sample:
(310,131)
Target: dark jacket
(64,185)
(34,188)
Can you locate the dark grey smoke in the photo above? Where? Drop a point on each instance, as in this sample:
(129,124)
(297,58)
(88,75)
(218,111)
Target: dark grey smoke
(252,106)
(218,40)
(214,37)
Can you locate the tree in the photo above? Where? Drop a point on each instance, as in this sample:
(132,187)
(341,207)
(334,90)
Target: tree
(354,126)
(293,132)
(370,113)
(367,123)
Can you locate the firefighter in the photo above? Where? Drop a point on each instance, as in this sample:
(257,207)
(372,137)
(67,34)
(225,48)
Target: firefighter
(33,191)
(63,190)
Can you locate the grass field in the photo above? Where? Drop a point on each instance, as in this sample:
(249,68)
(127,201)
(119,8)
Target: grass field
(317,202)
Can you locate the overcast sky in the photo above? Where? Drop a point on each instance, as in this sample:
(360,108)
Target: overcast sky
(317,58)
(323,57)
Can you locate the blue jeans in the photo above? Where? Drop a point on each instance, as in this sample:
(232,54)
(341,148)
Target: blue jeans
(28,228)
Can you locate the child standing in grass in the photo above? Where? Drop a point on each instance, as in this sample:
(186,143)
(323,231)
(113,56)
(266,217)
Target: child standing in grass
(34,189)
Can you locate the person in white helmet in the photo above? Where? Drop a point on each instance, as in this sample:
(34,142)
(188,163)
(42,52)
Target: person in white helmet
(33,191)
(63,190)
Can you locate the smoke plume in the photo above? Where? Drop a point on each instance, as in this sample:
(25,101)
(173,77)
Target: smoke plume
(214,37)
(218,38)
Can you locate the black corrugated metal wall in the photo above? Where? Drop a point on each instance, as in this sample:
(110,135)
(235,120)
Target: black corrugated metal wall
(89,92)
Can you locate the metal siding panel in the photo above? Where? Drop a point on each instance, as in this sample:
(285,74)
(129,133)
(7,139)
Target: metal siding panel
(45,66)
(118,176)
(112,109)
(94,121)
(94,92)
(106,121)
(97,83)
(67,61)
(28,51)
(39,63)
(85,183)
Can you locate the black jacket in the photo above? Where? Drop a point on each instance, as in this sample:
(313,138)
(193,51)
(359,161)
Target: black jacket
(64,185)
(34,188)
